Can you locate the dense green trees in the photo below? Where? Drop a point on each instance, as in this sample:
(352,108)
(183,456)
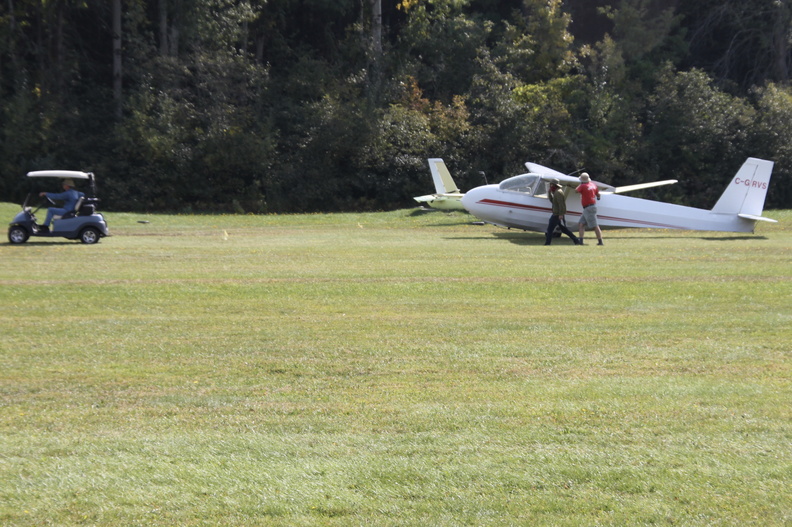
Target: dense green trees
(323,105)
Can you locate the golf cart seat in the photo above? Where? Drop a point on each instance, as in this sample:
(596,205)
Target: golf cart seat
(71,213)
(88,207)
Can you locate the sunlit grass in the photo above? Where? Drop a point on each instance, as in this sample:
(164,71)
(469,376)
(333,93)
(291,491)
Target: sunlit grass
(394,369)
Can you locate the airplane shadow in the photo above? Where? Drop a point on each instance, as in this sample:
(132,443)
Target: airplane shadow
(420,211)
(535,238)
(734,238)
(706,238)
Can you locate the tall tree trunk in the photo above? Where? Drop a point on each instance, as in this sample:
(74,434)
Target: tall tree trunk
(243,45)
(12,34)
(260,49)
(376,26)
(374,50)
(117,84)
(60,53)
(173,39)
(782,31)
(163,28)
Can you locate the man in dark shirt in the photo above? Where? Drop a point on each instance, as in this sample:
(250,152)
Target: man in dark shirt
(558,199)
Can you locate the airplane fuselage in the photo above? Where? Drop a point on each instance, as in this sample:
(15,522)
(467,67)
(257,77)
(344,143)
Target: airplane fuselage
(519,210)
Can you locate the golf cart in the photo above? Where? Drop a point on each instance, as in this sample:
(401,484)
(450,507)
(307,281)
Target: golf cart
(82,223)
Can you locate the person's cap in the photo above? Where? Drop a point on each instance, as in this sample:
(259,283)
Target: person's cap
(69,182)
(555,182)
(584,177)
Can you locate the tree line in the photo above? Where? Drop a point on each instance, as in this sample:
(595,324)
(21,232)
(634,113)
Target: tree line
(335,105)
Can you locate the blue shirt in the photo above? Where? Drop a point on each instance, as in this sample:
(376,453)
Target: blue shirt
(68,197)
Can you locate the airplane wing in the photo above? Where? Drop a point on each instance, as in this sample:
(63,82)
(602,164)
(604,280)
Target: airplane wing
(573,181)
(639,186)
(535,168)
(548,174)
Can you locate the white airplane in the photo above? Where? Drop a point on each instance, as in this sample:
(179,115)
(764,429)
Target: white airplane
(521,202)
(448,196)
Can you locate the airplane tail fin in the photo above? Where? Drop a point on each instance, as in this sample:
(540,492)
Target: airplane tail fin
(444,183)
(745,195)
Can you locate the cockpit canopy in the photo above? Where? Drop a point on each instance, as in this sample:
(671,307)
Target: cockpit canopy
(531,184)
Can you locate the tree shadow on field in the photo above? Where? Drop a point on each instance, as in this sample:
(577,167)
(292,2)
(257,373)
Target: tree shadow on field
(443,215)
(517,238)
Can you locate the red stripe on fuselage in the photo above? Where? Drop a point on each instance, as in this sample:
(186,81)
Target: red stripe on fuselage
(512,205)
(637,223)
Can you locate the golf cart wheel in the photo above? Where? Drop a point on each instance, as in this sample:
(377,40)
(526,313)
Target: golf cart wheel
(89,235)
(17,234)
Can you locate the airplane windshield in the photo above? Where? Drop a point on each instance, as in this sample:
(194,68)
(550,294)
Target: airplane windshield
(528,183)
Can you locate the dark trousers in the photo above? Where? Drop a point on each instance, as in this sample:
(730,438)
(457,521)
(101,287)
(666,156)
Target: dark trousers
(555,221)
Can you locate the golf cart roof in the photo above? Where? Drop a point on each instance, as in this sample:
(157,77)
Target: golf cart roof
(65,174)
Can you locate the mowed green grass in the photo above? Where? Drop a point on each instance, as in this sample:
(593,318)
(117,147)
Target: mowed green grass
(399,368)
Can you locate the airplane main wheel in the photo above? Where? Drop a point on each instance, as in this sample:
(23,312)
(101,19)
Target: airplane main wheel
(17,234)
(89,235)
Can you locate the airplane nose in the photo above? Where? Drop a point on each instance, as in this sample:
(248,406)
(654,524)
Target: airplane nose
(471,198)
(468,199)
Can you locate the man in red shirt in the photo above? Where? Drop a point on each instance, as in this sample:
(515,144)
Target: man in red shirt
(589,194)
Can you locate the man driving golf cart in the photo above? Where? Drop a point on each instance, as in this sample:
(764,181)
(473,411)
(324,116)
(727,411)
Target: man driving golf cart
(75,219)
(69,196)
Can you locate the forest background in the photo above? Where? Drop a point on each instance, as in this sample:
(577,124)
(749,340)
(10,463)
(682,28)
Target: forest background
(334,105)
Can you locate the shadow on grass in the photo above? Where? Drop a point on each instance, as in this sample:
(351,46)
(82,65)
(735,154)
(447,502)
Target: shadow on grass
(37,243)
(444,215)
(689,237)
(517,238)
(535,238)
(422,211)
(733,238)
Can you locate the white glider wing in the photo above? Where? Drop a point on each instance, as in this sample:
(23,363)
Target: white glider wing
(639,186)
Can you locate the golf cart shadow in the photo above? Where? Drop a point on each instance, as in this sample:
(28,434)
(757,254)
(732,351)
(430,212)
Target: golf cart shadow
(40,243)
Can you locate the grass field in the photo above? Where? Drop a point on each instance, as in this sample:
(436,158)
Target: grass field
(399,368)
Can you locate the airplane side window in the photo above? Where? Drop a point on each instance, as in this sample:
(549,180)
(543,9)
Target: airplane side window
(523,183)
(541,189)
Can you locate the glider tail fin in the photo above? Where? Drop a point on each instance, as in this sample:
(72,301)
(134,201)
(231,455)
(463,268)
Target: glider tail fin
(745,195)
(444,183)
